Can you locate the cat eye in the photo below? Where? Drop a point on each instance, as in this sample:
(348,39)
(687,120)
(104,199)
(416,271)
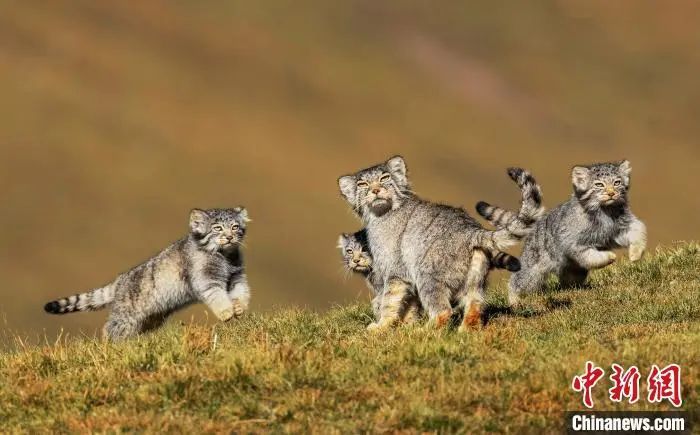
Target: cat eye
(618,182)
(601,185)
(217,228)
(348,251)
(362,184)
(235,227)
(385,178)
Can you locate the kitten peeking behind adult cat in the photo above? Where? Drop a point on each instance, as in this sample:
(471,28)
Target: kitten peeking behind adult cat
(205,266)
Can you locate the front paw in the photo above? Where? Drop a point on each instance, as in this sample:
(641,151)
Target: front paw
(374,326)
(225,315)
(636,252)
(238,308)
(611,258)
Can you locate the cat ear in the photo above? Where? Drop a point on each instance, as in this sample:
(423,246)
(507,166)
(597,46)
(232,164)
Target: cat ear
(397,167)
(343,240)
(243,213)
(625,170)
(199,221)
(348,187)
(580,177)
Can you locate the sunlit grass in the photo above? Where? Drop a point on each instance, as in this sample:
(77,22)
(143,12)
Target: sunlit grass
(296,370)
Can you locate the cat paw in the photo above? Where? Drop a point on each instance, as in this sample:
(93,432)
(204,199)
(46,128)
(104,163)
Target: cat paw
(514,300)
(443,319)
(238,308)
(472,317)
(374,326)
(611,258)
(225,315)
(636,252)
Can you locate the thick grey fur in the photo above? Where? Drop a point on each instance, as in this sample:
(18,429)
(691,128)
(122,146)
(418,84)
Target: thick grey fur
(577,236)
(440,249)
(206,266)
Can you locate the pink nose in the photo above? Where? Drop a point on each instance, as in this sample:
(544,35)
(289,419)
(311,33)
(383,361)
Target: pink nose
(376,190)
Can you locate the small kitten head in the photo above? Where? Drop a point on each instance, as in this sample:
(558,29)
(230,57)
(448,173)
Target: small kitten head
(356,257)
(219,230)
(378,189)
(602,184)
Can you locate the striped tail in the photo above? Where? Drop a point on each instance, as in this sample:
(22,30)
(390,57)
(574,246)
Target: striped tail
(506,261)
(494,241)
(90,301)
(531,210)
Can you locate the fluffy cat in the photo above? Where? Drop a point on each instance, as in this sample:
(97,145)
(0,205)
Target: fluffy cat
(357,258)
(439,249)
(578,235)
(205,266)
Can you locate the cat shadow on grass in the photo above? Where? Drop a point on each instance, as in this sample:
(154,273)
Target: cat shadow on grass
(552,303)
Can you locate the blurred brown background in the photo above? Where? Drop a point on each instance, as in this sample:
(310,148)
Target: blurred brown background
(116,118)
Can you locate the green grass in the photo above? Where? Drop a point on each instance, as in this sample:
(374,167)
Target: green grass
(296,370)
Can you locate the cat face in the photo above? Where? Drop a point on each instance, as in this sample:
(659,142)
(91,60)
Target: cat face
(378,189)
(355,257)
(602,184)
(219,230)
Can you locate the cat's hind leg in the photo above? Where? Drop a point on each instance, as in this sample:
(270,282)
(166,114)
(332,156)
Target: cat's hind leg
(435,297)
(572,276)
(471,298)
(528,279)
(121,326)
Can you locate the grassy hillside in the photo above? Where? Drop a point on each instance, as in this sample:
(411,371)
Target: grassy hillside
(298,371)
(116,118)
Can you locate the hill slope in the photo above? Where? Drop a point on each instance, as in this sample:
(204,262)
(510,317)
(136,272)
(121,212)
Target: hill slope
(116,118)
(297,370)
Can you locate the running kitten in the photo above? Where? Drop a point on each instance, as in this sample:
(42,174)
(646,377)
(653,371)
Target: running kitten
(440,249)
(578,235)
(205,266)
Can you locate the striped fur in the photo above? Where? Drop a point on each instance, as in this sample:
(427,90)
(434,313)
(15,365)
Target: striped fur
(506,261)
(531,210)
(205,266)
(441,250)
(89,301)
(579,235)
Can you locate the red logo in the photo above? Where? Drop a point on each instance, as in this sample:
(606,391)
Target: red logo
(665,384)
(587,381)
(625,384)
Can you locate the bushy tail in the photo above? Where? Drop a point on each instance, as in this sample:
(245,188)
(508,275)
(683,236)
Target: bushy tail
(90,301)
(494,241)
(531,210)
(506,261)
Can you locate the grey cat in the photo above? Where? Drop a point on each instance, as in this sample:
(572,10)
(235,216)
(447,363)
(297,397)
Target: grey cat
(399,303)
(205,266)
(357,258)
(578,235)
(439,249)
